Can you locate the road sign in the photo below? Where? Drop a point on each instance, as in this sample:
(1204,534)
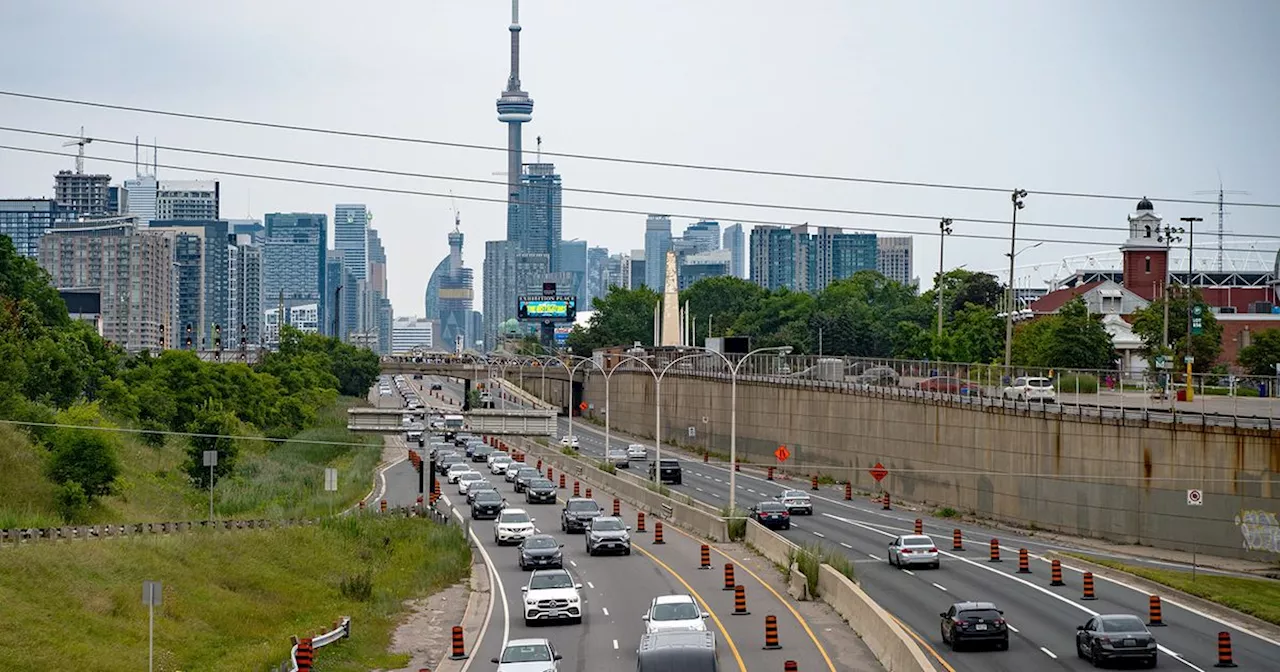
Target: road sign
(330,480)
(878,472)
(1188,360)
(210,458)
(782,453)
(1197,321)
(151,593)
(1162,362)
(693,431)
(582,406)
(1195,497)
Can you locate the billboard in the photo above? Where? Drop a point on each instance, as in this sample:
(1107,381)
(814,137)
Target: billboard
(562,334)
(548,308)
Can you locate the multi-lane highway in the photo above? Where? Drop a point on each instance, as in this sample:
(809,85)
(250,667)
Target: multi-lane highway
(1043,619)
(617,590)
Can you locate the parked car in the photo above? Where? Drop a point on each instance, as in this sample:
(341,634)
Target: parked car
(1109,637)
(951,385)
(913,549)
(1031,388)
(773,515)
(974,622)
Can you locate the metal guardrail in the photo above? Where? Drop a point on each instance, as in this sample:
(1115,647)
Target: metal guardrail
(341,630)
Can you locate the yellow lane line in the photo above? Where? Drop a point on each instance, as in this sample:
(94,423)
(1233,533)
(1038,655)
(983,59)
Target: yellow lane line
(732,647)
(800,619)
(921,642)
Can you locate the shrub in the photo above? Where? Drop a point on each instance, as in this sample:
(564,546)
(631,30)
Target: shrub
(947,512)
(215,428)
(607,467)
(86,457)
(72,502)
(658,488)
(811,557)
(735,522)
(357,587)
(568,451)
(1067,383)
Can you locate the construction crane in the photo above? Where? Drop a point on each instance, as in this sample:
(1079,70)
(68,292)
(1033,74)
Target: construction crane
(81,141)
(1222,213)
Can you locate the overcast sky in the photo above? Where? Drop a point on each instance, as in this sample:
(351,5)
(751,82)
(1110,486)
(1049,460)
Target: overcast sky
(1127,98)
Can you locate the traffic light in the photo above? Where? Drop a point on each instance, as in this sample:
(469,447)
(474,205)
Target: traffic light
(188,335)
(162,337)
(217,337)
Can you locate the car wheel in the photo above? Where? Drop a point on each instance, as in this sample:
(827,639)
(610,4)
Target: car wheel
(1003,645)
(1080,650)
(1152,662)
(937,565)
(1093,657)
(955,644)
(628,552)
(942,632)
(891,561)
(787,526)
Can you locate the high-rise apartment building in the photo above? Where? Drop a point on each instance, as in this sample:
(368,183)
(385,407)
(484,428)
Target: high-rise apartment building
(597,284)
(657,242)
(540,212)
(450,293)
(130,268)
(835,255)
(191,200)
(735,241)
(203,283)
(777,258)
(508,274)
(894,258)
(617,272)
(806,258)
(139,198)
(702,265)
(81,195)
(573,267)
(411,332)
(25,221)
(253,228)
(637,273)
(304,318)
(703,236)
(244,301)
(333,324)
(351,237)
(294,252)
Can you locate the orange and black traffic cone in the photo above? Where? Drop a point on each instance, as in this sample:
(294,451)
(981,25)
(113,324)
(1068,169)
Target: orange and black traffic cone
(771,632)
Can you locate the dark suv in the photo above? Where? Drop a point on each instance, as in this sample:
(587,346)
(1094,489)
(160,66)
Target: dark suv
(540,490)
(671,472)
(977,622)
(685,651)
(577,511)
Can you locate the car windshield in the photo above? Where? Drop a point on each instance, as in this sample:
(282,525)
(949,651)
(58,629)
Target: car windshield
(607,525)
(979,615)
(502,458)
(670,463)
(543,581)
(793,494)
(769,506)
(540,484)
(515,517)
(526,653)
(1121,624)
(470,476)
(541,542)
(1039,382)
(488,496)
(527,472)
(675,611)
(917,541)
(582,505)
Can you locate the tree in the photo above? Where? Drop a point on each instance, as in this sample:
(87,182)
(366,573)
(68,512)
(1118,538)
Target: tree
(974,335)
(1148,324)
(214,429)
(622,317)
(85,457)
(1070,339)
(780,318)
(721,300)
(961,287)
(1260,357)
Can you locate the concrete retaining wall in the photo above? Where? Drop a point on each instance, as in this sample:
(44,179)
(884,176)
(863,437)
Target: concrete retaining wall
(1104,478)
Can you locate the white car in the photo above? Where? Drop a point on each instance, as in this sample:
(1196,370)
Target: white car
(456,470)
(569,442)
(674,613)
(498,463)
(467,479)
(636,451)
(512,469)
(529,655)
(512,527)
(1030,388)
(552,594)
(797,502)
(913,549)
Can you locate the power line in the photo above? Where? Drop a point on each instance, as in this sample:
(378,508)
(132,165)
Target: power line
(587,208)
(612,159)
(598,192)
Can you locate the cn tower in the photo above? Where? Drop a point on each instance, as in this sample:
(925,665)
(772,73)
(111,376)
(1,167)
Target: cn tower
(515,107)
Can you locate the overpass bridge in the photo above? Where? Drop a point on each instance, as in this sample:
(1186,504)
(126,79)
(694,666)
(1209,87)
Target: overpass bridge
(515,422)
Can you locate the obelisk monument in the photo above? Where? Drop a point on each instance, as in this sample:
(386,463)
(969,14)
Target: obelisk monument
(671,304)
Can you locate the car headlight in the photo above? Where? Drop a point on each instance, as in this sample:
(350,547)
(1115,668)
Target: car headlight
(531,603)
(574,599)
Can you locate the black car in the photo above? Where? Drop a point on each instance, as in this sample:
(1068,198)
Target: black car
(480,453)
(486,505)
(772,515)
(577,511)
(540,490)
(541,550)
(442,465)
(523,476)
(671,472)
(478,487)
(974,622)
(1109,637)
(436,387)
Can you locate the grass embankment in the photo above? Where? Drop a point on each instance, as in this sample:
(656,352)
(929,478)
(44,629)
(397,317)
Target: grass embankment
(271,480)
(1256,597)
(231,599)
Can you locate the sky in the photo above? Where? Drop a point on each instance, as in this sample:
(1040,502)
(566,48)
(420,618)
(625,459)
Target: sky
(1129,99)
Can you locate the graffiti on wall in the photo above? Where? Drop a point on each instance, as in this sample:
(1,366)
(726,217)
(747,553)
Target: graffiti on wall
(1260,530)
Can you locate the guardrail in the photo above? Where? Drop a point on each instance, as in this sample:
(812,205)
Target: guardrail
(306,646)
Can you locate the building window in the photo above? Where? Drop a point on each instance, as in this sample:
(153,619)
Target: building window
(1148,261)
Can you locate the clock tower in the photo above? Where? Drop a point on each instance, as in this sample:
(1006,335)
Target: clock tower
(1146,258)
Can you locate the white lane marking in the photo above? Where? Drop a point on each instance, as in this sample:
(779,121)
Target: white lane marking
(573,563)
(1049,653)
(716,496)
(1011,628)
(873,556)
(590,585)
(940,587)
(697,488)
(1011,577)
(615,645)
(819,534)
(605,610)
(751,491)
(848,546)
(493,577)
(908,572)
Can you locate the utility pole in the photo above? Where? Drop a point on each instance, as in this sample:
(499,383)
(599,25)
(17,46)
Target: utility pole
(944,230)
(1018,204)
(1191,266)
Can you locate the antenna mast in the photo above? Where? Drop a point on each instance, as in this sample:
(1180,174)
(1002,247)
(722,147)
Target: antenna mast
(539,149)
(1222,213)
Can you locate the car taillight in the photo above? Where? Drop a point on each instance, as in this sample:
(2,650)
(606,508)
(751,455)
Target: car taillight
(958,622)
(933,550)
(999,621)
(906,551)
(784,514)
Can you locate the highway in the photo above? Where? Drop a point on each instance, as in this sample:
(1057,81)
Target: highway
(617,590)
(1043,618)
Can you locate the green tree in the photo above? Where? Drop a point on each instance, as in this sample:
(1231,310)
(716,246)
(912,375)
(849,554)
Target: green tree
(1148,324)
(781,318)
(871,316)
(1260,357)
(622,317)
(214,429)
(82,455)
(974,334)
(961,287)
(1070,339)
(721,300)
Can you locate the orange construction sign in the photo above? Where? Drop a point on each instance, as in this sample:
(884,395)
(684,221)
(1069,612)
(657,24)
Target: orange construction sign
(582,406)
(782,453)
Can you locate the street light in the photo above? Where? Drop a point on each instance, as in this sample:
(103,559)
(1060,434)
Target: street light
(1018,204)
(1191,258)
(944,230)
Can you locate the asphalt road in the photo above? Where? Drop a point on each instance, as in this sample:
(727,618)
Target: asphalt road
(1045,618)
(617,590)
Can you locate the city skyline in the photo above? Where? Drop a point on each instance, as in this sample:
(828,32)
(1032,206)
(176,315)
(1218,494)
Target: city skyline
(1087,146)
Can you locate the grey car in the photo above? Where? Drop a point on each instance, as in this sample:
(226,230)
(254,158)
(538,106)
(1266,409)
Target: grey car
(541,550)
(1109,637)
(524,476)
(619,458)
(607,533)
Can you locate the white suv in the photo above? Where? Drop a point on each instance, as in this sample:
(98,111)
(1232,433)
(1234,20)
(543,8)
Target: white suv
(512,527)
(674,613)
(1030,388)
(552,594)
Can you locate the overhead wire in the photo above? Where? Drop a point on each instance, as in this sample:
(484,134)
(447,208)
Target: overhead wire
(599,192)
(613,159)
(587,208)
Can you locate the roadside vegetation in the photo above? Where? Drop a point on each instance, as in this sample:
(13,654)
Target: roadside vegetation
(231,599)
(1256,597)
(810,557)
